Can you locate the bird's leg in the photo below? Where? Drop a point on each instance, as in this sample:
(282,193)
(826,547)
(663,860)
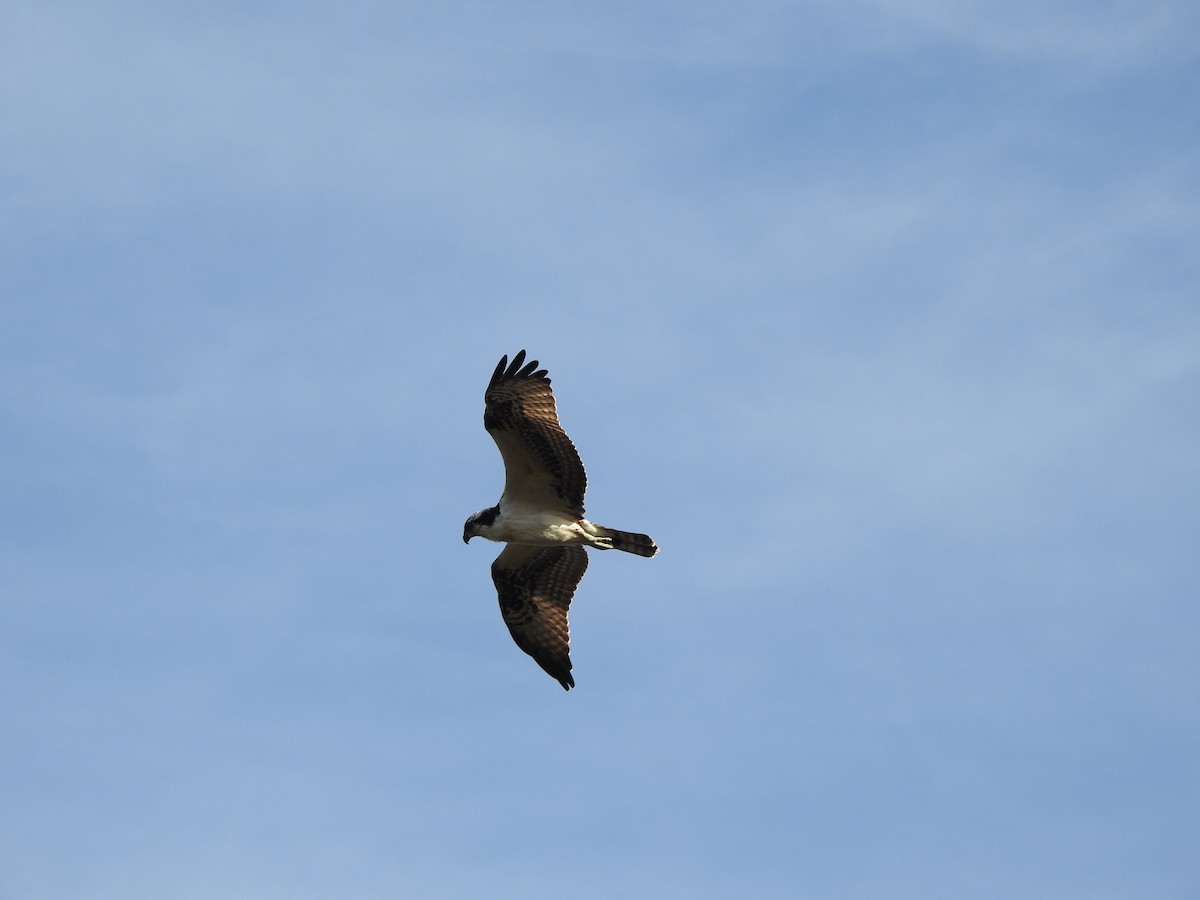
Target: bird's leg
(595,536)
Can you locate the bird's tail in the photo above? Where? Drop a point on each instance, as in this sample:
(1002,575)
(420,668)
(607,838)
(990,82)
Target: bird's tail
(629,541)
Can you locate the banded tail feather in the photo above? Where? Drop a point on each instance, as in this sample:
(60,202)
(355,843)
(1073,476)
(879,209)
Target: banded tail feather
(629,541)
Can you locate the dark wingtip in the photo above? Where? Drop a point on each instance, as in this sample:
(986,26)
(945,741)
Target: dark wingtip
(499,371)
(521,369)
(518,368)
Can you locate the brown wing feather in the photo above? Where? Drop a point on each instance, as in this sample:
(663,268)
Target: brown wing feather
(535,586)
(541,465)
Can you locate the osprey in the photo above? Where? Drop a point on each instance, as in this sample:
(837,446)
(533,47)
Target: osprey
(540,516)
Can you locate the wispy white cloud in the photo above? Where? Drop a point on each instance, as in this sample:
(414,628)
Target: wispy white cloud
(1109,37)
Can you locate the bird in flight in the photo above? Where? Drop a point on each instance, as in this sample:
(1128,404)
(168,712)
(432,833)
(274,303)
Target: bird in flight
(539,518)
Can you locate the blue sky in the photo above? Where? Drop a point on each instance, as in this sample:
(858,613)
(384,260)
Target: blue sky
(881,317)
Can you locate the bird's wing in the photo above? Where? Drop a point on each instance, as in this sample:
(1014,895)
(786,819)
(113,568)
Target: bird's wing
(542,469)
(535,586)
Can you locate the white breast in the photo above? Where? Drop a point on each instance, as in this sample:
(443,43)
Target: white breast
(539,528)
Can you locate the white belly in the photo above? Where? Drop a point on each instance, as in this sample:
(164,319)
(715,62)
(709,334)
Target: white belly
(538,530)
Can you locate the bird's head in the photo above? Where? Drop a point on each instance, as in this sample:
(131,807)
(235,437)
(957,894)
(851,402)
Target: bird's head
(478,523)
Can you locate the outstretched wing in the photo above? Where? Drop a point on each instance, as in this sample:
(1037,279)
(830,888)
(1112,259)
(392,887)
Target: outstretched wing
(535,586)
(542,469)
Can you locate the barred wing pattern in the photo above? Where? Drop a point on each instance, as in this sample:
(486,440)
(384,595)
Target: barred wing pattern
(535,586)
(542,468)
